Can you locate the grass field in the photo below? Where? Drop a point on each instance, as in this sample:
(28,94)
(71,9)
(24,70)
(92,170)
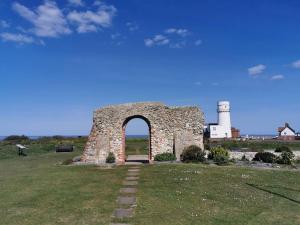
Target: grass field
(257,145)
(137,146)
(38,189)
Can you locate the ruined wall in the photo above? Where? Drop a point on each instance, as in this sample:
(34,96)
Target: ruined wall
(171,129)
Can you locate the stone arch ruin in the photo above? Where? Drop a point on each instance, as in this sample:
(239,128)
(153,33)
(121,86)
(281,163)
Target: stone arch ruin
(170,130)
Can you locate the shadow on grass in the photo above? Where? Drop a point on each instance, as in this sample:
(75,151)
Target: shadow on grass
(272,192)
(280,187)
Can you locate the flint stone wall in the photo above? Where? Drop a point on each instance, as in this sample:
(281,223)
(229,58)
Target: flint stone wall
(250,155)
(170,129)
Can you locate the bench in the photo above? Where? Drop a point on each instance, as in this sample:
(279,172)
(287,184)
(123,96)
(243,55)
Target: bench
(65,148)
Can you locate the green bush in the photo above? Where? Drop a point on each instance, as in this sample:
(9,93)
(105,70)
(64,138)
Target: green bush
(67,162)
(193,153)
(110,158)
(266,157)
(221,160)
(218,151)
(16,138)
(244,158)
(286,158)
(165,157)
(207,146)
(283,149)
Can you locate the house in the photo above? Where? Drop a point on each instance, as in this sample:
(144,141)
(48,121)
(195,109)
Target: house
(286,133)
(235,132)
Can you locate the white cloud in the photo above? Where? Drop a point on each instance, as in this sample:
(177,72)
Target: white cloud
(132,26)
(97,3)
(296,64)
(198,83)
(198,42)
(255,70)
(90,21)
(115,36)
(277,77)
(215,84)
(4,24)
(76,2)
(18,38)
(173,38)
(48,19)
(179,44)
(157,40)
(180,32)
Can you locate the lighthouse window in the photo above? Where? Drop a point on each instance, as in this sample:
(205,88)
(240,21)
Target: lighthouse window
(214,128)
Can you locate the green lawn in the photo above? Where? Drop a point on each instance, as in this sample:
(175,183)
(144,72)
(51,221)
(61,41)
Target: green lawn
(137,146)
(37,189)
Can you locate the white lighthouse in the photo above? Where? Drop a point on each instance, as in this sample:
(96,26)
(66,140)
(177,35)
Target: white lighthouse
(224,118)
(222,129)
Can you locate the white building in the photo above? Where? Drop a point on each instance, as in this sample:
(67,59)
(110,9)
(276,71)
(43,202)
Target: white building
(222,129)
(286,133)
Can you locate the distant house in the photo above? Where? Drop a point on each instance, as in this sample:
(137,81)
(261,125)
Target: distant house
(235,132)
(286,133)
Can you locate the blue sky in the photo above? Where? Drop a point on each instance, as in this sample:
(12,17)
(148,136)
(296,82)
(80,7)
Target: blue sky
(60,60)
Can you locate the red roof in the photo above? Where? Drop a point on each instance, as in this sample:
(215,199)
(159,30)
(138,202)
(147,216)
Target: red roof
(280,129)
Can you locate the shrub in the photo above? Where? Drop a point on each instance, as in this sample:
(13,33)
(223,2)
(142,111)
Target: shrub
(67,162)
(207,146)
(286,158)
(266,157)
(192,153)
(165,157)
(218,151)
(17,138)
(221,160)
(283,149)
(244,158)
(110,158)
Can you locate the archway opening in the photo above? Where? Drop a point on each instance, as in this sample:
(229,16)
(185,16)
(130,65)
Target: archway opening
(137,139)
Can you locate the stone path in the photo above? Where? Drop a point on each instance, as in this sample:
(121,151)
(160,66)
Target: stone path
(127,198)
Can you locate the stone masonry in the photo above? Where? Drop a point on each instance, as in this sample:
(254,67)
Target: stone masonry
(170,129)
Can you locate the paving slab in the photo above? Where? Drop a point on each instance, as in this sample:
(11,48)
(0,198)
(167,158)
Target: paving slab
(134,167)
(126,200)
(119,224)
(133,174)
(133,170)
(123,213)
(130,183)
(137,158)
(131,178)
(133,163)
(129,190)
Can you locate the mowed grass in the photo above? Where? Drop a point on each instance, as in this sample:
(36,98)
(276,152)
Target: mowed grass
(137,146)
(38,189)
(201,194)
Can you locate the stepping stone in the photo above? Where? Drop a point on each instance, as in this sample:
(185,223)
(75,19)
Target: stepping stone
(123,213)
(130,183)
(131,178)
(134,167)
(119,224)
(133,163)
(126,200)
(132,174)
(134,170)
(128,190)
